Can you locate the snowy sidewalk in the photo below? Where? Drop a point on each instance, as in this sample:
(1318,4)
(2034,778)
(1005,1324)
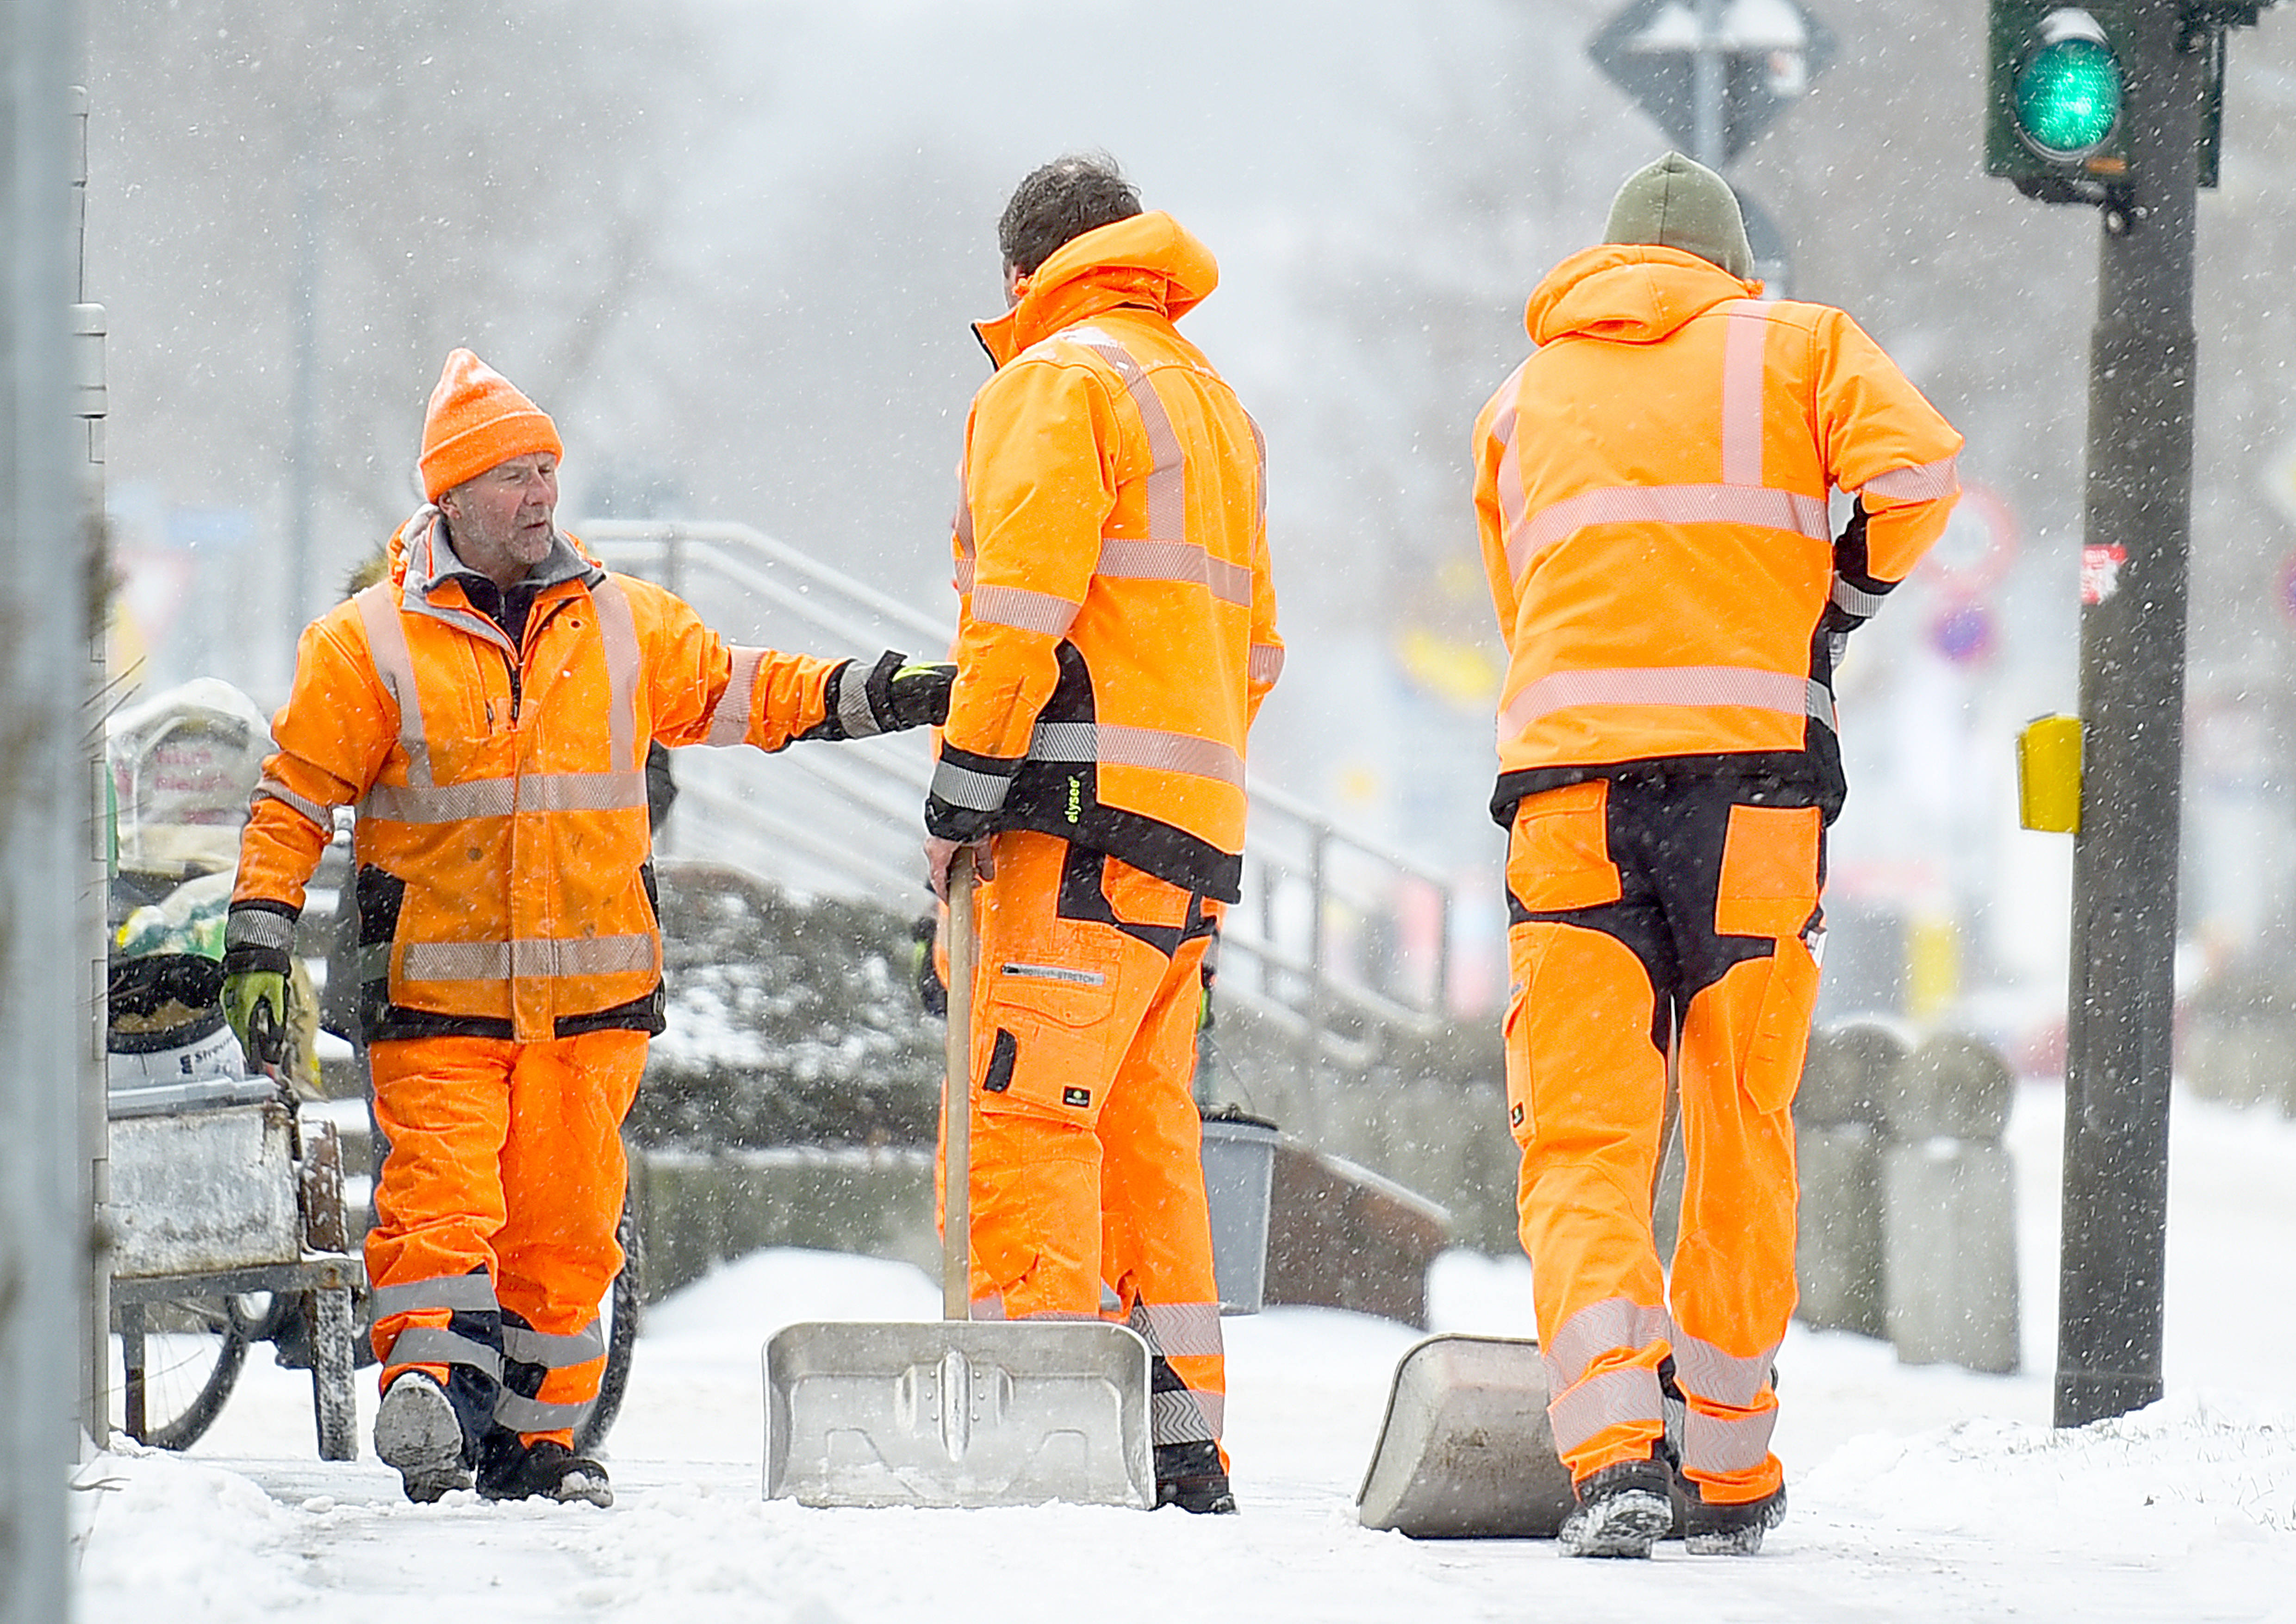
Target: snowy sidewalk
(1917,1494)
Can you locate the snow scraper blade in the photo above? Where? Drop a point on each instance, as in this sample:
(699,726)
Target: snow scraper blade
(959,1412)
(1465,1452)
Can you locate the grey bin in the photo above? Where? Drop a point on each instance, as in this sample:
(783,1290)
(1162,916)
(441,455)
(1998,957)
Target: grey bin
(1239,1175)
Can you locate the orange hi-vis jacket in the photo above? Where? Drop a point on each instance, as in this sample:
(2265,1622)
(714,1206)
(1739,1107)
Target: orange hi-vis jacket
(1117,623)
(1651,488)
(504,860)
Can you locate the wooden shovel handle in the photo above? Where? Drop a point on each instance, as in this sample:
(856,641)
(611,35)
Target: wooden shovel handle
(956,1097)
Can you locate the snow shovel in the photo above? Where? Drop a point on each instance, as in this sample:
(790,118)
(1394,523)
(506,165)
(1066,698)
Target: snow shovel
(958,1413)
(1465,1452)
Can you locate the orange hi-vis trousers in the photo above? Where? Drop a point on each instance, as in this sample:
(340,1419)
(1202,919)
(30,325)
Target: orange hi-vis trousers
(494,1219)
(1086,1146)
(1653,913)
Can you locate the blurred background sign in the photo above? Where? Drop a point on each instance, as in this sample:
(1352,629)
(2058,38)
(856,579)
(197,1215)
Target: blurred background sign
(1766,52)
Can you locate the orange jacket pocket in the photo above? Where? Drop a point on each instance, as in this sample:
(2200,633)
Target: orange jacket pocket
(1781,1041)
(1768,885)
(1559,850)
(1048,1032)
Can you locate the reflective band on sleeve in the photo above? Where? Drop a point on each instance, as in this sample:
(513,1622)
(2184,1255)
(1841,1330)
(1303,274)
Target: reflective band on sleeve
(1259,477)
(1700,686)
(1265,663)
(1187,1417)
(271,788)
(1855,599)
(1179,1330)
(1514,493)
(1728,1379)
(1817,705)
(436,1345)
(530,1347)
(1745,346)
(386,646)
(1613,1398)
(1022,610)
(729,719)
(1168,488)
(1711,1444)
(1175,560)
(473,1292)
(522,1414)
(853,712)
(962,578)
(1751,505)
(961,786)
(1112,743)
(1924,482)
(246,927)
(528,958)
(618,631)
(1597,1329)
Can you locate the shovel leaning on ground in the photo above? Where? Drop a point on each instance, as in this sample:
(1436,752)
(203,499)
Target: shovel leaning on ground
(958,1411)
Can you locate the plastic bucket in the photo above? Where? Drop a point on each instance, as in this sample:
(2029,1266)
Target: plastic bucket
(1239,1176)
(164,1026)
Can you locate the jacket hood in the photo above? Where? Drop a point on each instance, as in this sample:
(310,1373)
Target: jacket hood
(1148,259)
(1629,293)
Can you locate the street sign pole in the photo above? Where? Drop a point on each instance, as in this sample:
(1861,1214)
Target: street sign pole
(2120,1000)
(1707,69)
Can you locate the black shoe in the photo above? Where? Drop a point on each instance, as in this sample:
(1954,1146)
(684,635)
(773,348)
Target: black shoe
(1730,1531)
(1623,1510)
(416,1432)
(543,1470)
(1191,1477)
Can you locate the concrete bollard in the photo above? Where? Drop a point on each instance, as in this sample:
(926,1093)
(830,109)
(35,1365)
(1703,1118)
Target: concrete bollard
(1949,1244)
(1837,1258)
(1955,1086)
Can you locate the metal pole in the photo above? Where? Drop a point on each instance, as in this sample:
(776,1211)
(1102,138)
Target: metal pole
(1708,65)
(2139,522)
(45,618)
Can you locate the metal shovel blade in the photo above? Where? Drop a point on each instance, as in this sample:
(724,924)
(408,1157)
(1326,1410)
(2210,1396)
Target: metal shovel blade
(1465,1452)
(958,1414)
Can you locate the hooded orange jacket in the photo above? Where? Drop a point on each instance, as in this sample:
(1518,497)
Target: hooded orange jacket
(1116,628)
(1652,488)
(503,861)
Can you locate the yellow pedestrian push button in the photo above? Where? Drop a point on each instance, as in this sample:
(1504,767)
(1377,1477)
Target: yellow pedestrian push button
(2049,775)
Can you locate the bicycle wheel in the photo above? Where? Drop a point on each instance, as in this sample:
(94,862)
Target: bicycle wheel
(175,1361)
(619,1316)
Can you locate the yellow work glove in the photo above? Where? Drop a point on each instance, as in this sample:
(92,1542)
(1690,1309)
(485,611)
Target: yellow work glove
(255,1003)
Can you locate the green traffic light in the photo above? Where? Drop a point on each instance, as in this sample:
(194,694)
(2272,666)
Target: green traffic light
(2068,91)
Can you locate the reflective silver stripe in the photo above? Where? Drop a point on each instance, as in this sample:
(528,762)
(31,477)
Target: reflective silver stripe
(729,719)
(1513,493)
(530,1347)
(618,635)
(527,958)
(1175,560)
(1113,744)
(1022,610)
(1764,509)
(992,1307)
(622,790)
(436,1345)
(1265,663)
(1706,1371)
(961,786)
(1054,973)
(1179,1330)
(1168,488)
(474,1292)
(1743,348)
(1856,600)
(1817,704)
(324,816)
(1597,1329)
(853,712)
(964,577)
(1182,1418)
(521,1414)
(452,803)
(1711,1444)
(1607,1400)
(386,646)
(1924,482)
(1698,687)
(258,928)
(1259,471)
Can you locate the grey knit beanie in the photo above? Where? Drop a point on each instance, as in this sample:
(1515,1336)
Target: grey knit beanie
(1676,204)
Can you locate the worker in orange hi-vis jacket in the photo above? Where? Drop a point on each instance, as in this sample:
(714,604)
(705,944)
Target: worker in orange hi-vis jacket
(1116,635)
(488,708)
(1653,489)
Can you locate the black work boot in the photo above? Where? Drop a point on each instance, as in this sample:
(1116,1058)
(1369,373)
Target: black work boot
(1730,1531)
(1191,1477)
(510,1469)
(417,1431)
(1623,1510)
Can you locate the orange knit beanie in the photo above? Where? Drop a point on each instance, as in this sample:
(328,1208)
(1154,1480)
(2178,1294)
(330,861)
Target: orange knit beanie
(478,419)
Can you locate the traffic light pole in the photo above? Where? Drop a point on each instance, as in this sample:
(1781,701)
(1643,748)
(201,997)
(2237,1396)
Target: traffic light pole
(2139,529)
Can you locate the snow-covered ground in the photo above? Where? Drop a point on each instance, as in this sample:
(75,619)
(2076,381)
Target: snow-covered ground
(1918,1493)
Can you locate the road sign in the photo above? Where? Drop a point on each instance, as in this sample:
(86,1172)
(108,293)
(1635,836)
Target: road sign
(1768,51)
(2280,481)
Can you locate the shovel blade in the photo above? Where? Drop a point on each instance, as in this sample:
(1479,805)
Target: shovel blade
(958,1414)
(1466,1452)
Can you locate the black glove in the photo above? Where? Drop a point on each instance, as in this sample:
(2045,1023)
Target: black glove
(903,694)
